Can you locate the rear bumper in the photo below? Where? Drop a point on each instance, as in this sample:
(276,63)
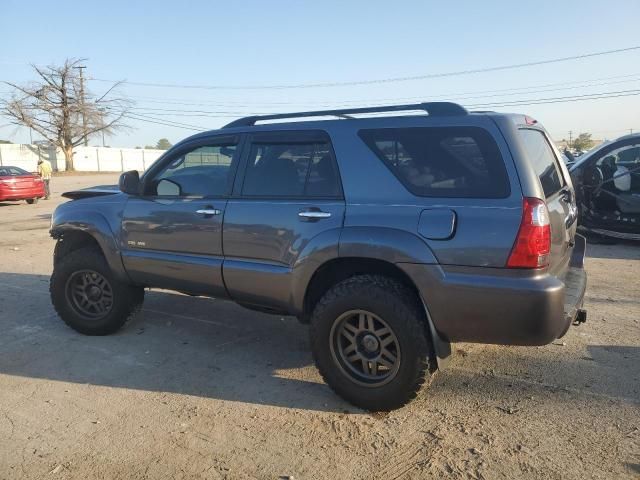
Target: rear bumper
(7,193)
(575,282)
(501,306)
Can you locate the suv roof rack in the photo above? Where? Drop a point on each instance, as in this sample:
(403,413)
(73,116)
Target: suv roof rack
(432,108)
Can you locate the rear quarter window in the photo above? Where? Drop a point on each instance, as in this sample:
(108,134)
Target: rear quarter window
(543,160)
(442,161)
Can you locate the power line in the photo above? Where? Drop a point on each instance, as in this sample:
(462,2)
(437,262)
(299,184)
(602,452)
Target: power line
(163,123)
(382,80)
(574,98)
(205,113)
(534,101)
(130,114)
(168,122)
(449,96)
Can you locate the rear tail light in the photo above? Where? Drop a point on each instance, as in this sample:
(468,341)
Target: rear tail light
(533,243)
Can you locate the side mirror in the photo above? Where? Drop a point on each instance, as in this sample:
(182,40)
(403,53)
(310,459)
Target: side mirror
(130,182)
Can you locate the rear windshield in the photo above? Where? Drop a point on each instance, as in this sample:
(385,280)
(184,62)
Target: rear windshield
(12,172)
(442,161)
(544,162)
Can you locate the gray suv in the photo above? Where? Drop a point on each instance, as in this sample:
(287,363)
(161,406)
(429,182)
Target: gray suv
(392,236)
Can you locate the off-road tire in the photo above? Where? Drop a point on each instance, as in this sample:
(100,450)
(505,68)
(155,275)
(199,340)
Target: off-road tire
(31,201)
(403,312)
(127,299)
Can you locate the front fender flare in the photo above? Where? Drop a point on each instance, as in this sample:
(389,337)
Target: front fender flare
(95,225)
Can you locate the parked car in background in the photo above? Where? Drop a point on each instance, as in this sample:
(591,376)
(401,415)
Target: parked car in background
(607,184)
(391,236)
(18,184)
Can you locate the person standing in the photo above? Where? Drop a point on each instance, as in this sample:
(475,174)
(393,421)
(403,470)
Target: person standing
(44,170)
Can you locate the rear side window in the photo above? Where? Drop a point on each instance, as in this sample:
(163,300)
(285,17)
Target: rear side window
(544,161)
(291,170)
(442,161)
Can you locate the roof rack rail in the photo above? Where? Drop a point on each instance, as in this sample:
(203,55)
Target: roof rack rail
(432,108)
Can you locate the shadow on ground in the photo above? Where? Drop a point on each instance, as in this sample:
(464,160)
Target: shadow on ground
(625,250)
(192,346)
(213,348)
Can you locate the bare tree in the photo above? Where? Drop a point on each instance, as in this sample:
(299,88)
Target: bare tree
(60,108)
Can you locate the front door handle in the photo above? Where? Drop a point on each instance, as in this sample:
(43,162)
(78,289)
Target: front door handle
(208,212)
(314,214)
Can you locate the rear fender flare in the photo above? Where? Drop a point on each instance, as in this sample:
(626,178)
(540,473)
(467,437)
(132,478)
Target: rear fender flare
(317,252)
(379,243)
(389,244)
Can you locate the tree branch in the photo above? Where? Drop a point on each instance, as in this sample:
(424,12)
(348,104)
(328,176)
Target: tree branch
(54,108)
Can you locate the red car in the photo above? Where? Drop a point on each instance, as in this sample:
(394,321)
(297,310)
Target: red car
(18,184)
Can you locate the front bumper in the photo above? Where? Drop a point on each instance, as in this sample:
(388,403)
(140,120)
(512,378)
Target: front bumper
(500,306)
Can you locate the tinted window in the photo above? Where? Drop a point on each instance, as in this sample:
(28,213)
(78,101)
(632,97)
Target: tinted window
(201,172)
(544,162)
(442,162)
(291,170)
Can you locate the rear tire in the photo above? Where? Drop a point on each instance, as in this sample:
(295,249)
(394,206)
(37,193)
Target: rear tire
(383,365)
(31,201)
(88,297)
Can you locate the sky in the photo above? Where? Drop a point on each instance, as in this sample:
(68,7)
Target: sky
(255,43)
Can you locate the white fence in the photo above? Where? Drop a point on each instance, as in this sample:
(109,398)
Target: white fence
(85,159)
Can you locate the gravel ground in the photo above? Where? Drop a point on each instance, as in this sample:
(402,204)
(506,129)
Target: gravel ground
(202,388)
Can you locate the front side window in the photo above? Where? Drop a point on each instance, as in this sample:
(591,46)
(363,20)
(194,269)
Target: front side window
(442,161)
(291,170)
(202,172)
(543,160)
(629,156)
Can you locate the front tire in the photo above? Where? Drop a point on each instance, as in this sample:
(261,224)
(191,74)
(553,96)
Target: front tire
(31,201)
(88,297)
(370,343)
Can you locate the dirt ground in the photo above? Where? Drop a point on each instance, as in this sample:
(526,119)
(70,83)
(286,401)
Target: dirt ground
(202,388)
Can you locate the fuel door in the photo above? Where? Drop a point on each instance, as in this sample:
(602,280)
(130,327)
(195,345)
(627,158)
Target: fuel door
(437,223)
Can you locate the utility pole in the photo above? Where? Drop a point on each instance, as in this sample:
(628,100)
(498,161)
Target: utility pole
(570,133)
(102,110)
(84,117)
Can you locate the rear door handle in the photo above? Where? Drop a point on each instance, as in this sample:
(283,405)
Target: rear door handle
(313,214)
(208,212)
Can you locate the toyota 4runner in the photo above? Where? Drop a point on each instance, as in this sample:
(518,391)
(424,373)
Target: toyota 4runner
(392,236)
